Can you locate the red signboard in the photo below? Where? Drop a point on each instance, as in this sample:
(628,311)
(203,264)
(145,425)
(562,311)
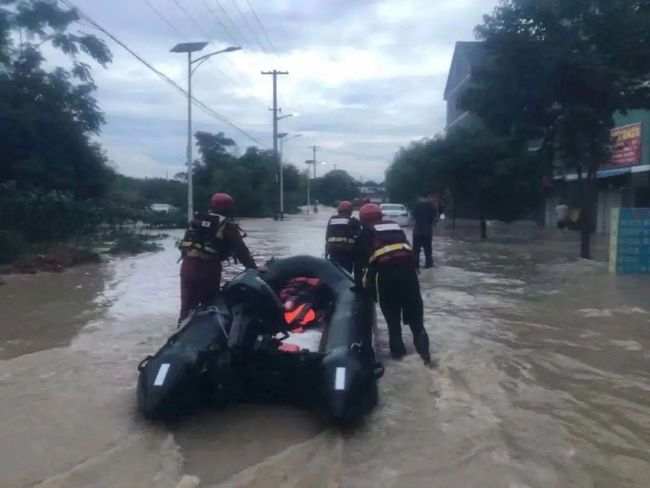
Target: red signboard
(626,145)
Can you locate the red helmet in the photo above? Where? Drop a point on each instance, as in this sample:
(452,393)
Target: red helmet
(221,201)
(370,213)
(345,207)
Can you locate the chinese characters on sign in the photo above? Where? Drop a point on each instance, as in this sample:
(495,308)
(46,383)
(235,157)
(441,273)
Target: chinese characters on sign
(626,145)
(629,250)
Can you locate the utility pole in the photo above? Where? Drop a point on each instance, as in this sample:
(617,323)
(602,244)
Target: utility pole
(275,74)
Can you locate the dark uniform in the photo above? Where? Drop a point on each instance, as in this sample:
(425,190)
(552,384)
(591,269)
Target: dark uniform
(424,215)
(391,276)
(210,239)
(340,240)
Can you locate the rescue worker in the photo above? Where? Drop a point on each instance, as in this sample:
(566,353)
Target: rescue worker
(210,238)
(391,276)
(341,236)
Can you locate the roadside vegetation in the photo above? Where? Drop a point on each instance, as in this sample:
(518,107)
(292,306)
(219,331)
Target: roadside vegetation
(57,186)
(555,73)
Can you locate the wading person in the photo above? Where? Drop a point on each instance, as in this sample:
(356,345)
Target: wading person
(391,276)
(211,237)
(341,236)
(424,215)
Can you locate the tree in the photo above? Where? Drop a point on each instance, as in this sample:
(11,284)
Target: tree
(250,178)
(52,174)
(334,186)
(561,69)
(47,118)
(488,177)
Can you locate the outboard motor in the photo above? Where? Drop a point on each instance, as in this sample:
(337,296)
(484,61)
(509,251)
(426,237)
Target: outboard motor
(199,362)
(255,308)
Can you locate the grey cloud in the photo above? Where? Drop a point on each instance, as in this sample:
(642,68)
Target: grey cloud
(371,118)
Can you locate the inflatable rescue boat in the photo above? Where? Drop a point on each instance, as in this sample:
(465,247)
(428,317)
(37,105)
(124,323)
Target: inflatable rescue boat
(241,349)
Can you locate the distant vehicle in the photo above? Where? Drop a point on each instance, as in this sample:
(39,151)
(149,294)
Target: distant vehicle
(396,212)
(162,208)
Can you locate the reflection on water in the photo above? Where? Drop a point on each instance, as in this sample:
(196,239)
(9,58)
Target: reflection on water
(544,379)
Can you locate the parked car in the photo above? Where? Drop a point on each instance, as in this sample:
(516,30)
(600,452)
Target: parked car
(396,212)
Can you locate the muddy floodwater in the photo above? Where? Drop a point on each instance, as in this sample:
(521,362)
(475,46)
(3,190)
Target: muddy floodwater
(544,379)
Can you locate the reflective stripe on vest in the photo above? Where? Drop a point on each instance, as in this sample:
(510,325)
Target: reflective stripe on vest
(387,227)
(195,245)
(339,221)
(341,240)
(382,251)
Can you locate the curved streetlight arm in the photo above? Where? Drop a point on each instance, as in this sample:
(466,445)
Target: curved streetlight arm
(199,61)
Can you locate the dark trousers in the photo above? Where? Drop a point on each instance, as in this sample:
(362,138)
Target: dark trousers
(200,280)
(343,259)
(423,242)
(398,292)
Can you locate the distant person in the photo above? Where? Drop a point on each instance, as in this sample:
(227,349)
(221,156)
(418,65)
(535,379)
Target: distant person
(424,215)
(561,216)
(315,206)
(341,236)
(385,254)
(211,237)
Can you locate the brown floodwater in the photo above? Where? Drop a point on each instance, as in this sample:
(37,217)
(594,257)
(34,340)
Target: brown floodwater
(544,378)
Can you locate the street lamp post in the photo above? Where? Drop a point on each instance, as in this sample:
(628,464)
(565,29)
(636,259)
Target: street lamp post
(192,66)
(311,162)
(278,154)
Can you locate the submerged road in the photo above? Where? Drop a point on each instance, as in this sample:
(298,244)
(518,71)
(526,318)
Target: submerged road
(544,380)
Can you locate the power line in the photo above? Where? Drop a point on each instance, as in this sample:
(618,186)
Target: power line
(181,36)
(157,12)
(187,14)
(241,14)
(257,19)
(223,26)
(207,36)
(225,13)
(213,113)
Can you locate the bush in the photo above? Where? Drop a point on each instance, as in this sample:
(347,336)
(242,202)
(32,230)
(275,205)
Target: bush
(45,215)
(11,246)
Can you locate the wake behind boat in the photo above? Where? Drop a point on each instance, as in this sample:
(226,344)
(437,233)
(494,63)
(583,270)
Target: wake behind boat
(240,349)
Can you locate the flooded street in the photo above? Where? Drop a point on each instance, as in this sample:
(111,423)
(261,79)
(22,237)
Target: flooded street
(544,379)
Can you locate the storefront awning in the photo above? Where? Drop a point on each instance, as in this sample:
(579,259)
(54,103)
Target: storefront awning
(606,173)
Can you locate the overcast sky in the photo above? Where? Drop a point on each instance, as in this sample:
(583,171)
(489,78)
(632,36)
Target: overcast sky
(366,76)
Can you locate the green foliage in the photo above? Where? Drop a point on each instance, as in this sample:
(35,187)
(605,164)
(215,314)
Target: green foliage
(334,186)
(12,245)
(561,69)
(487,176)
(47,118)
(40,215)
(250,178)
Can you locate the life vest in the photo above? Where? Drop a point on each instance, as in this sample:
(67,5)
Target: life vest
(389,244)
(204,237)
(342,233)
(298,297)
(300,317)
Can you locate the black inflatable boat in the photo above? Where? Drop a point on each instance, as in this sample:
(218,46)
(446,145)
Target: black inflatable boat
(232,351)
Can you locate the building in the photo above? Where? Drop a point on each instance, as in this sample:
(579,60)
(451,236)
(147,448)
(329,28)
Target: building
(372,193)
(467,57)
(622,182)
